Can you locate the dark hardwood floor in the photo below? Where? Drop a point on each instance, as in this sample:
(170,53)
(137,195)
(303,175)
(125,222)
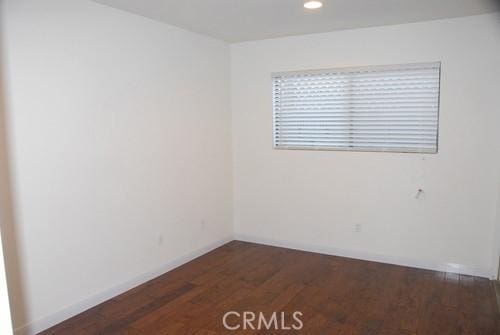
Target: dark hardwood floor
(336,296)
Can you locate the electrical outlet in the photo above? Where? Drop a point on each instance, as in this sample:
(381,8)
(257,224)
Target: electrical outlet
(357,228)
(160,240)
(203,224)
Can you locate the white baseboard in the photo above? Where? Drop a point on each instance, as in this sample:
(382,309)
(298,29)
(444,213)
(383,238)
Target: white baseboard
(70,311)
(41,324)
(329,250)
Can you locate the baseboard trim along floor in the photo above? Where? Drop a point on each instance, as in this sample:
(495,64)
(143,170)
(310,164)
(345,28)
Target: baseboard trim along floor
(66,313)
(316,293)
(39,325)
(362,255)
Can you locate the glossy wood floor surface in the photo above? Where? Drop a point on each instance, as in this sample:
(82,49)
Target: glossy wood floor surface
(336,296)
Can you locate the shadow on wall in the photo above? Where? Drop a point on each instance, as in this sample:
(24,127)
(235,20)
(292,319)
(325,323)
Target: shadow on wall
(7,213)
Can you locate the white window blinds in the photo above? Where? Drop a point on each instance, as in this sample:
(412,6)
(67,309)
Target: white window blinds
(383,108)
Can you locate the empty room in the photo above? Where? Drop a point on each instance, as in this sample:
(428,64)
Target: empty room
(205,167)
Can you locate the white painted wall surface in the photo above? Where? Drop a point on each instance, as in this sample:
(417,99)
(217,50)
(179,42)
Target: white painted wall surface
(496,254)
(314,199)
(5,317)
(119,140)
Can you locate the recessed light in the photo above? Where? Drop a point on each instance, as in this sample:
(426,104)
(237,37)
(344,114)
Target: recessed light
(313,4)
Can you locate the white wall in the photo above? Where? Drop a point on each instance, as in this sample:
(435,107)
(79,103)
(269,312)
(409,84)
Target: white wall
(496,256)
(496,251)
(5,317)
(119,143)
(313,199)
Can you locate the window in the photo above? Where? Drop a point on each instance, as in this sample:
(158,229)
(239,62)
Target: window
(384,108)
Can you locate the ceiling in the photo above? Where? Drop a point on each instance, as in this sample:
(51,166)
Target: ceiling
(244,20)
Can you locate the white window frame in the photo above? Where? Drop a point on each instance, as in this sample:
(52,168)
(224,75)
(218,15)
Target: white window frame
(381,68)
